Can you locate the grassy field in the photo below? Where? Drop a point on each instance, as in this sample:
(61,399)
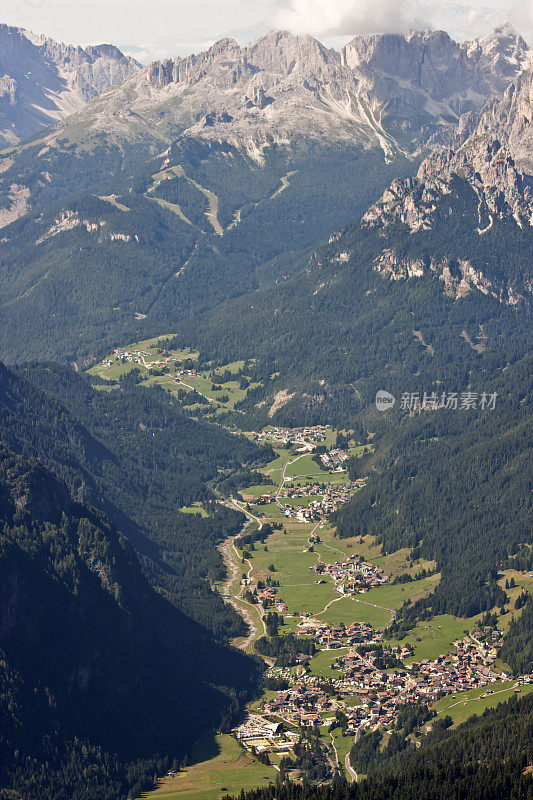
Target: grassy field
(218,766)
(321,663)
(524,583)
(348,610)
(196,508)
(465,704)
(171,360)
(305,466)
(286,551)
(432,637)
(393,596)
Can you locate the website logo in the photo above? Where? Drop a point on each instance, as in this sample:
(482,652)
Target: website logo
(384,400)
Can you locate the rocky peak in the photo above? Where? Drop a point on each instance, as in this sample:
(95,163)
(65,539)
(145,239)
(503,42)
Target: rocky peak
(43,80)
(283,53)
(493,153)
(429,67)
(398,93)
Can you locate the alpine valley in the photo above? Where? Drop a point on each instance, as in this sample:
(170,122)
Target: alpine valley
(226,567)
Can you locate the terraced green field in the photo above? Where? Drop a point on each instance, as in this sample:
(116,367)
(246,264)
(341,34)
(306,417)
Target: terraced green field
(464,704)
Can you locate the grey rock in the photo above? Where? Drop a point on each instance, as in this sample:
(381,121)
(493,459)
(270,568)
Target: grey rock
(400,93)
(42,81)
(492,151)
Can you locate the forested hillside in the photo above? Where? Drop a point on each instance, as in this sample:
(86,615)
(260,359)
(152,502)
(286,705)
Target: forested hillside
(130,248)
(341,328)
(135,454)
(97,670)
(455,487)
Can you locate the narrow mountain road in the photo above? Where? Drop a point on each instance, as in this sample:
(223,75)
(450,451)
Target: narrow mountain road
(474,699)
(349,769)
(335,600)
(188,385)
(283,478)
(248,513)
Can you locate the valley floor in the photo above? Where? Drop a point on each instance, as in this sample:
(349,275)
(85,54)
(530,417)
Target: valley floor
(288,557)
(336,596)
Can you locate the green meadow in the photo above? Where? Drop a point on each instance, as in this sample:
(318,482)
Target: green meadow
(432,637)
(219,766)
(464,704)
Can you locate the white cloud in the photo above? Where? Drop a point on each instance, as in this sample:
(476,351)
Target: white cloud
(346,17)
(463,19)
(521,16)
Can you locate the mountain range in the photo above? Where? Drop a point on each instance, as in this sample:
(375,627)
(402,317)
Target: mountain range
(237,163)
(392,91)
(42,81)
(343,223)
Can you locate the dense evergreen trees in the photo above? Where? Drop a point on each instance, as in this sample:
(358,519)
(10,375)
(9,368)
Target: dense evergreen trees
(517,650)
(135,454)
(456,489)
(96,669)
(112,291)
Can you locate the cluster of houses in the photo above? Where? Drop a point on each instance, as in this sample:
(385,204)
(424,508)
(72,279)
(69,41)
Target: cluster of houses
(127,357)
(328,497)
(469,666)
(268,598)
(281,436)
(352,575)
(332,637)
(302,704)
(382,693)
(334,460)
(138,357)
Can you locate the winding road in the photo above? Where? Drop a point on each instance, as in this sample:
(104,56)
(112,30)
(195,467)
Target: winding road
(283,478)
(351,772)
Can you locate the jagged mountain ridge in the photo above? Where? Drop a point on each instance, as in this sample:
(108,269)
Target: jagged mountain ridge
(43,81)
(492,152)
(389,91)
(398,94)
(208,202)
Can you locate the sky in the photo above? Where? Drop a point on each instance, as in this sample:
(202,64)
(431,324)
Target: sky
(154,29)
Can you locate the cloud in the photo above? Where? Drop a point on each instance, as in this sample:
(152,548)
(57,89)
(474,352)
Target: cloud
(346,17)
(463,19)
(167,28)
(521,16)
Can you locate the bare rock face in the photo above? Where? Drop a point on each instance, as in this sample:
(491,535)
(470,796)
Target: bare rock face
(42,81)
(492,151)
(458,278)
(430,70)
(399,93)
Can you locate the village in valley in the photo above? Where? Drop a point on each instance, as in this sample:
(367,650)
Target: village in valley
(320,610)
(343,673)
